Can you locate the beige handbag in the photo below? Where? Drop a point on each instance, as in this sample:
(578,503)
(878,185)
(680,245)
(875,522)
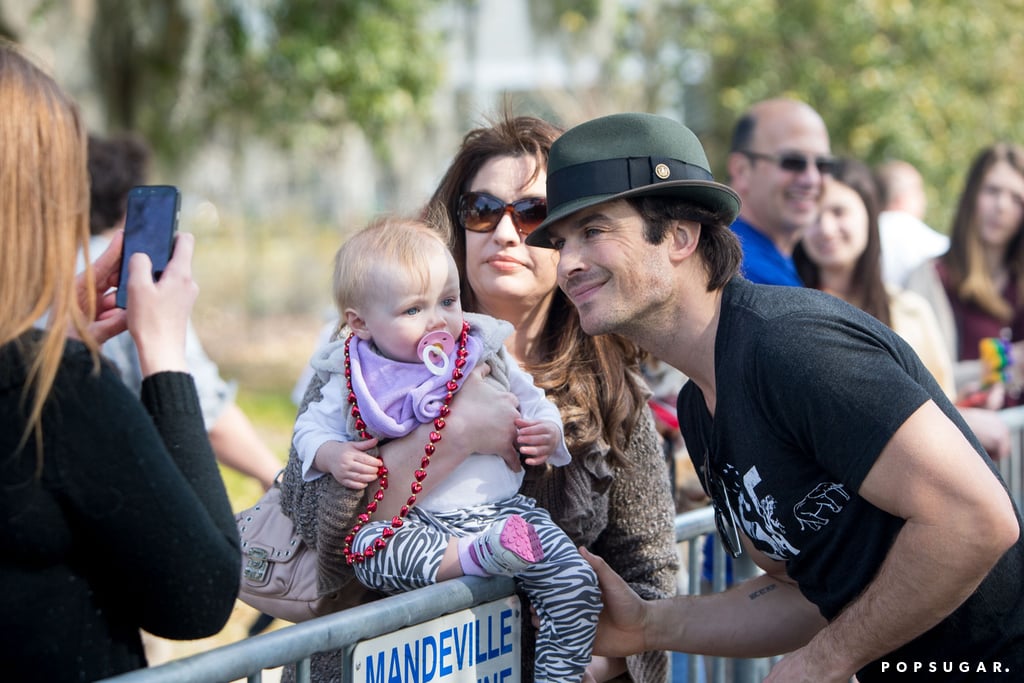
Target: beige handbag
(279,571)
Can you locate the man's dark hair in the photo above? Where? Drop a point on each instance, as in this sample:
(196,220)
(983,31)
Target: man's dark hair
(743,133)
(116,165)
(718,245)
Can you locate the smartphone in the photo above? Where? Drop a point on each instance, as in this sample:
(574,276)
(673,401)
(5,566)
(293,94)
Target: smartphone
(150,222)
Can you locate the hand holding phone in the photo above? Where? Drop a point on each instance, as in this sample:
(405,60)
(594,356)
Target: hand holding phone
(159,314)
(151,221)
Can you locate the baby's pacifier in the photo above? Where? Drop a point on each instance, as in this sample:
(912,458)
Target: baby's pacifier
(435,350)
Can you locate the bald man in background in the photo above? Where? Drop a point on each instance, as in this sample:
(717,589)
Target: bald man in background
(907,241)
(778,158)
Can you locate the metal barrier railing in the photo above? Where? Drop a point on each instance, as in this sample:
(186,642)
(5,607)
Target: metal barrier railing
(1012,469)
(296,644)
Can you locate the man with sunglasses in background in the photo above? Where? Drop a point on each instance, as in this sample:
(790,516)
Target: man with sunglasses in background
(890,546)
(777,160)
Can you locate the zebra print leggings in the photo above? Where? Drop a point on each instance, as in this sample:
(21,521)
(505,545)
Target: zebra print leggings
(562,587)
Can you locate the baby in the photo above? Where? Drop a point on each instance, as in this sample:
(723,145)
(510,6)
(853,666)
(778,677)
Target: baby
(397,290)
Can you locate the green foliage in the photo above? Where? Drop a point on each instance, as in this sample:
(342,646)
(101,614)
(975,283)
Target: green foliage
(313,62)
(553,18)
(280,69)
(929,82)
(137,51)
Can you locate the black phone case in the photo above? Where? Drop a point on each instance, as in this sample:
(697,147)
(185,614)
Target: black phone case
(151,221)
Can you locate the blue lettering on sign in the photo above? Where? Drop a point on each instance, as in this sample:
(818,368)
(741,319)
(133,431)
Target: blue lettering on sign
(485,635)
(463,651)
(429,660)
(450,650)
(446,669)
(375,675)
(498,677)
(506,631)
(412,660)
(396,666)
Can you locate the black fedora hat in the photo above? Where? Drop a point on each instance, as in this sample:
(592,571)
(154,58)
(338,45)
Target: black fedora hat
(629,155)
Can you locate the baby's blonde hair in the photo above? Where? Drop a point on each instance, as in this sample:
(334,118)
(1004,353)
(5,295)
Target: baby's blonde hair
(372,256)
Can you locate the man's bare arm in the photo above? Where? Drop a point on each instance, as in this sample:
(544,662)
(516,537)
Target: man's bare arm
(959,522)
(763,616)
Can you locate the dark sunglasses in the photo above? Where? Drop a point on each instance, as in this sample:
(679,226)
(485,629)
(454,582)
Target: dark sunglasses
(481,212)
(793,162)
(728,529)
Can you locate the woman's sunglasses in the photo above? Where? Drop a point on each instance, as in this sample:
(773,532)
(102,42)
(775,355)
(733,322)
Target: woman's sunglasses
(481,212)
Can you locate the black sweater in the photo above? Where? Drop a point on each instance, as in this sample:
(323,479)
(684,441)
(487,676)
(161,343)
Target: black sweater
(127,526)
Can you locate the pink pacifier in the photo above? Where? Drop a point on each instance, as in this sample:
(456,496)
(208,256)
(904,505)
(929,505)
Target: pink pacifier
(435,350)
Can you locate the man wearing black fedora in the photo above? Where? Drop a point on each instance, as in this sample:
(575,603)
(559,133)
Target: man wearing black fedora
(889,542)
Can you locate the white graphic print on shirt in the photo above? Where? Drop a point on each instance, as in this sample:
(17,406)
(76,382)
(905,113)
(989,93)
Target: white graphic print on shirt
(758,516)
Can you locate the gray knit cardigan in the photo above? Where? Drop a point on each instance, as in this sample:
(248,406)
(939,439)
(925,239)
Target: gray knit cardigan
(624,513)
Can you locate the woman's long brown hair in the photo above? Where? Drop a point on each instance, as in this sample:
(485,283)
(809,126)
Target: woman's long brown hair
(867,288)
(968,273)
(591,379)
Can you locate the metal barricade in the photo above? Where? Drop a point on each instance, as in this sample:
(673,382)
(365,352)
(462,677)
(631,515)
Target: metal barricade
(692,529)
(297,643)
(1011,468)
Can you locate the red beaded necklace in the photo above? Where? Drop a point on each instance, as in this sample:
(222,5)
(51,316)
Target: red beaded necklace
(382,472)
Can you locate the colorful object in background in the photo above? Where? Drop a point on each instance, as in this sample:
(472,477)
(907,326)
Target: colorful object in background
(996,354)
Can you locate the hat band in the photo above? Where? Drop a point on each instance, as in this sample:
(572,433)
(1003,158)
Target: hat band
(612,176)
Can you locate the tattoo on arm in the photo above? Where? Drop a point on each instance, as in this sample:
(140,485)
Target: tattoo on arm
(762,591)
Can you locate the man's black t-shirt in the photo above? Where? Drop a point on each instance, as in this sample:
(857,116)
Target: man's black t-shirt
(809,390)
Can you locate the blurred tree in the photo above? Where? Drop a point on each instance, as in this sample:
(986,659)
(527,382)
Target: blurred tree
(321,62)
(179,70)
(930,82)
(621,55)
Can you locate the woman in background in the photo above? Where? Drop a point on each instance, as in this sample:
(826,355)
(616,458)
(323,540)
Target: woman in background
(114,515)
(977,287)
(841,254)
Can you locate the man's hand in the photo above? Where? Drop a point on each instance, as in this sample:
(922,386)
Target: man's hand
(620,628)
(798,668)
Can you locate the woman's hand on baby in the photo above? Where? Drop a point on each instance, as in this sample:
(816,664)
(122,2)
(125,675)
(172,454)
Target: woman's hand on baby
(349,462)
(483,418)
(537,440)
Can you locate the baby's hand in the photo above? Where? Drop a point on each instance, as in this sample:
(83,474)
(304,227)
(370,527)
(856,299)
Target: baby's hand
(349,462)
(537,440)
